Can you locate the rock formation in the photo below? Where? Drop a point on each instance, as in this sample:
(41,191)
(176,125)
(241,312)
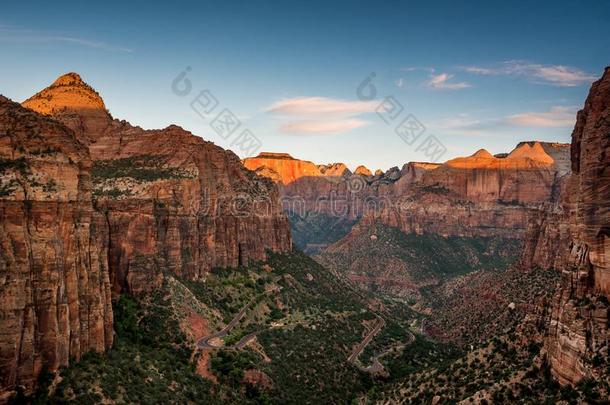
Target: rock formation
(54,280)
(74,103)
(171,200)
(288,168)
(334,169)
(92,207)
(363,171)
(478,195)
(323,201)
(576,240)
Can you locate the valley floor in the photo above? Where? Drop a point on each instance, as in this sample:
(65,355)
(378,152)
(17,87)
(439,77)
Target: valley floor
(290,331)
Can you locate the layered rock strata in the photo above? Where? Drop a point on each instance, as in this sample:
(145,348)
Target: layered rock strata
(92,207)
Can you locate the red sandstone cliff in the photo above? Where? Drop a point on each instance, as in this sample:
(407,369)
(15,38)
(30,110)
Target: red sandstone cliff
(576,240)
(171,200)
(91,206)
(479,195)
(54,281)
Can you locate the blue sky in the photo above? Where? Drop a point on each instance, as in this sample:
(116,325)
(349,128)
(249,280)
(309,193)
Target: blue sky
(474,74)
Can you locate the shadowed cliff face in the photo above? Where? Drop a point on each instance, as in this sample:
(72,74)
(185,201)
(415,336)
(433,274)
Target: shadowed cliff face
(92,206)
(54,281)
(575,238)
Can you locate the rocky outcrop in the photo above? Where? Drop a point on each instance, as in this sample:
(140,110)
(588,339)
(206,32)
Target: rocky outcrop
(91,206)
(577,338)
(288,168)
(54,281)
(74,103)
(478,195)
(171,201)
(334,169)
(363,171)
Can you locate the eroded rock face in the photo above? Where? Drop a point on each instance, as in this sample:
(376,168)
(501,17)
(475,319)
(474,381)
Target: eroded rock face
(323,201)
(578,331)
(54,283)
(363,171)
(75,104)
(171,201)
(91,206)
(288,168)
(478,195)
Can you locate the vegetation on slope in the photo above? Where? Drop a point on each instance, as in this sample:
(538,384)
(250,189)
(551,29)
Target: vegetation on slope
(307,322)
(508,369)
(423,259)
(149,362)
(140,168)
(114,177)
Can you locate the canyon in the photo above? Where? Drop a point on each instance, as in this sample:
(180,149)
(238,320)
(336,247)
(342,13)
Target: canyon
(485,195)
(551,198)
(96,211)
(480,204)
(574,238)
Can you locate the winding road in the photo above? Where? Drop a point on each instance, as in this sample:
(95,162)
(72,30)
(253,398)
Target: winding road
(367,339)
(206,341)
(376,367)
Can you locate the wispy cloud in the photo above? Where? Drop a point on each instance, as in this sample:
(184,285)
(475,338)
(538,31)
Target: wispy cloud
(555,117)
(442,82)
(418,68)
(13,35)
(554,75)
(322,127)
(320,105)
(319,115)
(464,124)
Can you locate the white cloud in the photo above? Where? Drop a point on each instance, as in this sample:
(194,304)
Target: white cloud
(464,124)
(12,35)
(441,82)
(319,115)
(555,75)
(564,76)
(322,127)
(418,68)
(480,70)
(555,117)
(320,105)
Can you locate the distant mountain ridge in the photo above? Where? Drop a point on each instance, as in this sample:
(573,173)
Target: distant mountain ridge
(490,196)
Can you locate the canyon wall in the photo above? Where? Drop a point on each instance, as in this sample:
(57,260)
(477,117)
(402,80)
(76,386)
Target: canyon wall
(54,281)
(92,207)
(576,240)
(171,200)
(478,195)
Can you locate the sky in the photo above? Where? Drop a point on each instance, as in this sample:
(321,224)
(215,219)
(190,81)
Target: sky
(378,83)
